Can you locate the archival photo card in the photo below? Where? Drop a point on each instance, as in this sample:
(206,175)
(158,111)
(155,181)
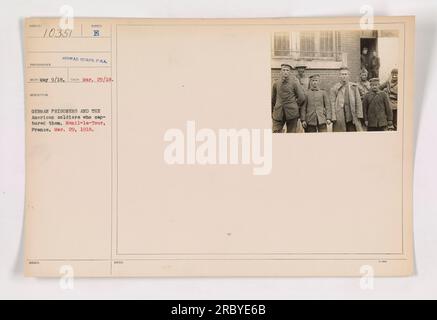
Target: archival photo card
(159,147)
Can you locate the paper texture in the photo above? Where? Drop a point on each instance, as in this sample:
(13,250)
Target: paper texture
(128,172)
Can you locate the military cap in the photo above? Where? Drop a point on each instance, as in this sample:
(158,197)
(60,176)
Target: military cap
(374,80)
(395,70)
(286,65)
(316,75)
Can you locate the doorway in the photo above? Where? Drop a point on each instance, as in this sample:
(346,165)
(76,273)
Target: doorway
(370,43)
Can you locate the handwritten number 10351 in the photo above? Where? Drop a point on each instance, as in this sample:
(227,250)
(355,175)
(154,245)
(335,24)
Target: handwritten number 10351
(57,33)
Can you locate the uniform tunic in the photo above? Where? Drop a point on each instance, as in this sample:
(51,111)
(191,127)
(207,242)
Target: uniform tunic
(287,95)
(317,107)
(377,110)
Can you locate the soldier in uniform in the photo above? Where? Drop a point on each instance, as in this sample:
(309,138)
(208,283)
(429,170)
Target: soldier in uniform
(374,64)
(287,96)
(347,110)
(363,83)
(365,59)
(391,88)
(316,111)
(363,88)
(301,77)
(378,115)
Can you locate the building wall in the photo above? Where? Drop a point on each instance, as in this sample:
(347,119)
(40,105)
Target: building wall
(350,44)
(327,77)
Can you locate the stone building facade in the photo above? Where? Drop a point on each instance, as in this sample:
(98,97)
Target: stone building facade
(325,52)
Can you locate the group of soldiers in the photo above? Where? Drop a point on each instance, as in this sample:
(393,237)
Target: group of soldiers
(366,105)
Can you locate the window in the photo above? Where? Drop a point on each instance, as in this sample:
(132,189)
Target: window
(309,45)
(326,44)
(337,42)
(282,44)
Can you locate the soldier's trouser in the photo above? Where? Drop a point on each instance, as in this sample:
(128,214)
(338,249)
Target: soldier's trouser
(363,124)
(395,118)
(317,128)
(350,126)
(279,125)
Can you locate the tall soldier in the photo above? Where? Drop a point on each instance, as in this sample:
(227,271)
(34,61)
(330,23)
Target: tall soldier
(363,83)
(347,110)
(301,77)
(287,96)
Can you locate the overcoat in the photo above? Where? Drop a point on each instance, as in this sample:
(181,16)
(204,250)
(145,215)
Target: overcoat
(286,98)
(316,108)
(377,109)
